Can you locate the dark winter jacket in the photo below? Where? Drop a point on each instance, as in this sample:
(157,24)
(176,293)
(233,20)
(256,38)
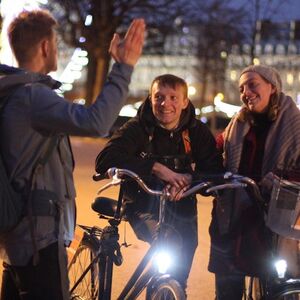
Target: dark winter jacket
(142,141)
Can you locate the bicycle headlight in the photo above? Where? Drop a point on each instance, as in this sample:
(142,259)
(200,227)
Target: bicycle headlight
(163,261)
(281,267)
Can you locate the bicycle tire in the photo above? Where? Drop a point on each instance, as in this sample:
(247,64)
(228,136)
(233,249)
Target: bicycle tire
(288,290)
(289,295)
(88,286)
(168,289)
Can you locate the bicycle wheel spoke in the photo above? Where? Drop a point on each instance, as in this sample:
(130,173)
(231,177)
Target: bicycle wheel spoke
(87,286)
(167,290)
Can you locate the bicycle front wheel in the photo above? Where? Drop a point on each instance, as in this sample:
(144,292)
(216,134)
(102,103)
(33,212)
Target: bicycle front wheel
(292,295)
(289,291)
(83,273)
(168,289)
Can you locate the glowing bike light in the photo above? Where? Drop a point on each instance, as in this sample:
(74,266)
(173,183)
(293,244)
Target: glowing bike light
(163,261)
(281,267)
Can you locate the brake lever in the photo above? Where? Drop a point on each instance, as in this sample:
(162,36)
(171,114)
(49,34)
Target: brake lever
(115,181)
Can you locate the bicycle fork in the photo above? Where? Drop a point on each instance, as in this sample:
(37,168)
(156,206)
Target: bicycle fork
(137,283)
(110,254)
(105,264)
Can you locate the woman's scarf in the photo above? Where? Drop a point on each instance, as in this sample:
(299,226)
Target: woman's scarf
(282,147)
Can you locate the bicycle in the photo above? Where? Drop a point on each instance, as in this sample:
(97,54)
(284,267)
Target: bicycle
(91,268)
(277,285)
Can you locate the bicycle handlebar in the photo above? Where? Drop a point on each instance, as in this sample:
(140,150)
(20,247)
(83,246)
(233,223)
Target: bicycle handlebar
(232,181)
(117,175)
(209,183)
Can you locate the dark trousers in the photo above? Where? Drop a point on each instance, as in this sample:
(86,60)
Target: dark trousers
(229,287)
(40,282)
(181,234)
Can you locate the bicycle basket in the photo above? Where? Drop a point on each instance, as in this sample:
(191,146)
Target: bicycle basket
(284,208)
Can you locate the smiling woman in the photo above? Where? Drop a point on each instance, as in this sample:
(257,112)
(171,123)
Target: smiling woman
(258,87)
(263,139)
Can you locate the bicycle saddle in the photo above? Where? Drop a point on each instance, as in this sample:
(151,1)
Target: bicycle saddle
(106,206)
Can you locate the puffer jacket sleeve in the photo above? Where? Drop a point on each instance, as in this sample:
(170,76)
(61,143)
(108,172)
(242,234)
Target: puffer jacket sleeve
(123,150)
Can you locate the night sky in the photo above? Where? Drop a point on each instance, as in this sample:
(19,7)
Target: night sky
(288,9)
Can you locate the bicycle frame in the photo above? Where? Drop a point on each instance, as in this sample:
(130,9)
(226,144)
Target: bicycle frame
(138,280)
(142,276)
(108,252)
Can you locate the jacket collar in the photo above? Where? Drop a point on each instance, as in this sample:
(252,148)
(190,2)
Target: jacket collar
(11,76)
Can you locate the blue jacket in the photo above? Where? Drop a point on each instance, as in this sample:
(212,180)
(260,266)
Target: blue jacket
(33,114)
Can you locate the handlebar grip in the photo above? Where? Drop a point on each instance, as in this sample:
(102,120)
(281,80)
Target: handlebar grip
(108,174)
(98,177)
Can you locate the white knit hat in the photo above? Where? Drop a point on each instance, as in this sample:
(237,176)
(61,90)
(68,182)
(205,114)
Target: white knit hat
(268,73)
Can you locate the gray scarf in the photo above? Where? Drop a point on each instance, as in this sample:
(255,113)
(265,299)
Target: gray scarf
(282,148)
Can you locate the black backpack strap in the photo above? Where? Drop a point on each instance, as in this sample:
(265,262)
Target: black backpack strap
(39,165)
(47,151)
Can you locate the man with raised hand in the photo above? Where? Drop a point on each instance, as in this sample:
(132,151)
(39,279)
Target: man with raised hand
(34,120)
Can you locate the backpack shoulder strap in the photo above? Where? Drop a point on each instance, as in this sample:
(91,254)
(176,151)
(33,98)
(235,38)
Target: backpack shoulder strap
(186,141)
(48,150)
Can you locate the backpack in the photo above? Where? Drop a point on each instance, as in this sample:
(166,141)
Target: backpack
(12,204)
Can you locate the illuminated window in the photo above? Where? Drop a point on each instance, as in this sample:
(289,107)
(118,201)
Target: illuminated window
(233,75)
(289,79)
(280,49)
(269,49)
(256,61)
(223,54)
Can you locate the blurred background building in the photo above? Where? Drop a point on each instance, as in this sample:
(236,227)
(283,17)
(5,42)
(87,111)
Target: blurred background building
(207,43)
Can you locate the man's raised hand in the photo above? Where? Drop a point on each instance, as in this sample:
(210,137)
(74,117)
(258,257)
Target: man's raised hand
(129,50)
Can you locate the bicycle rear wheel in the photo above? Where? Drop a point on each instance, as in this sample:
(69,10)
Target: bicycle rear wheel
(84,286)
(169,289)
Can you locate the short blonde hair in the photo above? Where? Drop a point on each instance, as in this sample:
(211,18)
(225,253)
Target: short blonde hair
(171,81)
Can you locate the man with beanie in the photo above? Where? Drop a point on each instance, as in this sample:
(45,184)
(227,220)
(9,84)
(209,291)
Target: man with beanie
(263,138)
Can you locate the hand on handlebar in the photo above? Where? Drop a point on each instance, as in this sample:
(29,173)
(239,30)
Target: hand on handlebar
(175,180)
(175,193)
